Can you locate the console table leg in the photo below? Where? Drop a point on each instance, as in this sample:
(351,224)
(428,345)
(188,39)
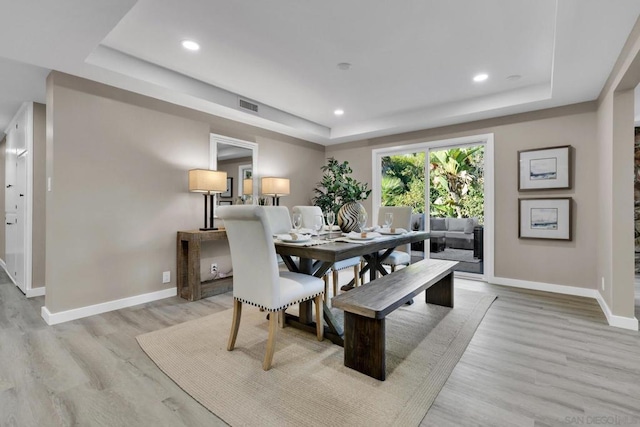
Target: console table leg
(364,345)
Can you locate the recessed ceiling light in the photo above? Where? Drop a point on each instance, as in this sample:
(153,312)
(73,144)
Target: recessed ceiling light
(190,45)
(514,77)
(338,112)
(344,66)
(480,77)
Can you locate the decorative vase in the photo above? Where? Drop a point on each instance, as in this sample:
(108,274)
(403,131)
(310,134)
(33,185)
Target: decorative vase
(348,217)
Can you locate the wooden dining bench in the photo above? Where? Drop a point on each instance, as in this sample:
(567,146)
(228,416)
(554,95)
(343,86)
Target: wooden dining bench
(366,307)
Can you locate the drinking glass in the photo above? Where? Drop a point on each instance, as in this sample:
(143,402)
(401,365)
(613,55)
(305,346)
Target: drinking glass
(318,223)
(331,219)
(362,219)
(388,219)
(297,220)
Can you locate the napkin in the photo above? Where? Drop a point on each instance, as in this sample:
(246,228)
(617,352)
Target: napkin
(302,231)
(292,236)
(395,230)
(333,228)
(356,235)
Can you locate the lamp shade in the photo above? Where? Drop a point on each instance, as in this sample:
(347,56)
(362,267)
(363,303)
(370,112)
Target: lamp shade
(207,181)
(247,187)
(275,186)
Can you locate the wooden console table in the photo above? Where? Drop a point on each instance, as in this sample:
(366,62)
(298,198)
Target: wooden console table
(190,285)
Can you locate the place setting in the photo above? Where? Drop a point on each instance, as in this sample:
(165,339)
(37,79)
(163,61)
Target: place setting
(300,236)
(372,233)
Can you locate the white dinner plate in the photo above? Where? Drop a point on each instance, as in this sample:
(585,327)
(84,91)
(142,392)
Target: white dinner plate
(301,239)
(388,233)
(361,238)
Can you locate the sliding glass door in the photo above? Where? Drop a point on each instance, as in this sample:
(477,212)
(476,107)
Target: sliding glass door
(445,183)
(456,206)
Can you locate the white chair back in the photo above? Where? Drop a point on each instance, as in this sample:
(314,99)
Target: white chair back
(279,219)
(308,213)
(401,219)
(253,254)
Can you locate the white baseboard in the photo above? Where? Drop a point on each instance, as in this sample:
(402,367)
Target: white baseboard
(36,292)
(78,313)
(617,321)
(3,264)
(546,287)
(613,320)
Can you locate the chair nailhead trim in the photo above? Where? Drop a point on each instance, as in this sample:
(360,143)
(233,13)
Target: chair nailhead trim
(277,309)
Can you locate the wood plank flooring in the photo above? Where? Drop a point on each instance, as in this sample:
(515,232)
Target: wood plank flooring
(537,359)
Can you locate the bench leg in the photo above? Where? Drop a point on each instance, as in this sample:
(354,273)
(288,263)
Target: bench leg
(364,345)
(441,293)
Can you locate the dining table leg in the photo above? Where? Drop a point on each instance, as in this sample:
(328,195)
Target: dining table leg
(334,331)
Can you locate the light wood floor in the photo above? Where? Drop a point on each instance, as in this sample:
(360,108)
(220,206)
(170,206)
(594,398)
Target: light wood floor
(537,359)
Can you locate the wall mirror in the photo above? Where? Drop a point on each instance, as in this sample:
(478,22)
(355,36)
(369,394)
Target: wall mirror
(240,160)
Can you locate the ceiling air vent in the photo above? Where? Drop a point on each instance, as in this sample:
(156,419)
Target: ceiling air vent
(246,105)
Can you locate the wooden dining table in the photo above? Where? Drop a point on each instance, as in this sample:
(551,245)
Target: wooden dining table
(317,261)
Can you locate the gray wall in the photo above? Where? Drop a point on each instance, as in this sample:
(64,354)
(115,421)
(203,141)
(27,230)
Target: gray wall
(556,262)
(119,165)
(615,228)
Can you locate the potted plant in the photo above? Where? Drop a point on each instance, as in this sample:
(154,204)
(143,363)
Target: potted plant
(341,193)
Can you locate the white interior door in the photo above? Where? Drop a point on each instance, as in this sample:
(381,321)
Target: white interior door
(15,195)
(10,201)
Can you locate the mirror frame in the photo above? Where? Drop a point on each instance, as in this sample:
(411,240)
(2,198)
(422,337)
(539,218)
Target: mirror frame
(214,139)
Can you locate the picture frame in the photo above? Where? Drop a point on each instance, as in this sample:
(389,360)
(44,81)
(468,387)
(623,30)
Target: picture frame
(545,218)
(544,168)
(225,202)
(229,192)
(244,172)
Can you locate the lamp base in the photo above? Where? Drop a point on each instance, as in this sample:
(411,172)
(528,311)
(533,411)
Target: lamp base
(209,229)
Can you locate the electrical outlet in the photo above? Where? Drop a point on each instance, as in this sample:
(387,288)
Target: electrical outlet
(166,276)
(603,283)
(214,268)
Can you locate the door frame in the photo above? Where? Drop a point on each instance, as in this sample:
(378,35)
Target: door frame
(489,187)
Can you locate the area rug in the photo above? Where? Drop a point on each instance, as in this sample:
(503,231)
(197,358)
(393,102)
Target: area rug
(455,255)
(308,383)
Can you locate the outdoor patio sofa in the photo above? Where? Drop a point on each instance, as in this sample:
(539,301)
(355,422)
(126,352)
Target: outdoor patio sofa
(457,232)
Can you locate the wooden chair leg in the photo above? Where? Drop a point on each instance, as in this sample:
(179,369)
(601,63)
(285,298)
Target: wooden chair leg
(356,275)
(393,268)
(326,286)
(235,324)
(319,317)
(335,282)
(271,341)
(281,318)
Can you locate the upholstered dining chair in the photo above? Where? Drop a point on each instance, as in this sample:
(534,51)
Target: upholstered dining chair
(308,213)
(279,219)
(256,276)
(401,219)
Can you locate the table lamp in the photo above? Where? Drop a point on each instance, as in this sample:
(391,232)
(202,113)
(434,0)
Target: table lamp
(247,187)
(209,182)
(275,187)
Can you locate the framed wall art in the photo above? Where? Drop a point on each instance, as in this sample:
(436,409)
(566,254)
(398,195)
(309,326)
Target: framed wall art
(548,218)
(229,192)
(544,169)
